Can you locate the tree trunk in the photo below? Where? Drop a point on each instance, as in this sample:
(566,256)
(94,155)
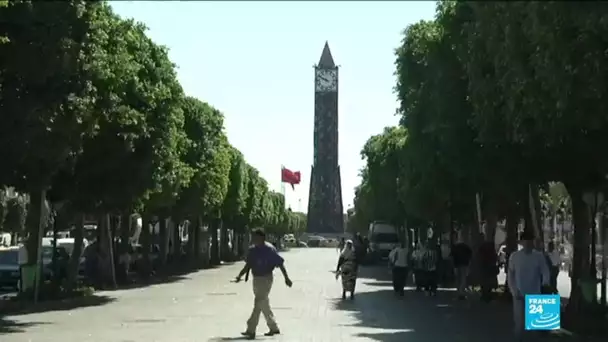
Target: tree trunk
(145,268)
(164,240)
(512,223)
(106,259)
(74,265)
(125,233)
(195,231)
(215,252)
(491,217)
(203,244)
(177,238)
(527,217)
(224,247)
(35,225)
(580,260)
(536,214)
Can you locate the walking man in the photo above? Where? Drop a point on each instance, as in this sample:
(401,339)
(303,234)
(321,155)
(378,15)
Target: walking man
(461,257)
(398,259)
(262,259)
(527,274)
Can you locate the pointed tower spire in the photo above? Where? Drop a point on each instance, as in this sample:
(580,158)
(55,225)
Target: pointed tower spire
(326,60)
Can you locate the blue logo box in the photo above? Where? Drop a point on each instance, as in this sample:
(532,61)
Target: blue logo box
(542,312)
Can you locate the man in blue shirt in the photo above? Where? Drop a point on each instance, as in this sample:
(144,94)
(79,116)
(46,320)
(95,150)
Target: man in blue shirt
(262,259)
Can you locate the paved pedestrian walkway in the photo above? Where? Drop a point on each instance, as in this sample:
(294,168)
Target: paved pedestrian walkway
(207,307)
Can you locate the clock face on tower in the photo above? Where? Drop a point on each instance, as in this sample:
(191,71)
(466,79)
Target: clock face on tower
(326,80)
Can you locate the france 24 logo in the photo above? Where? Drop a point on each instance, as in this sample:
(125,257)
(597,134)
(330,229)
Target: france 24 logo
(542,312)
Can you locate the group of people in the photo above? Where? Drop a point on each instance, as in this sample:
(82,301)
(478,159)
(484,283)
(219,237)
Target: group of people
(529,271)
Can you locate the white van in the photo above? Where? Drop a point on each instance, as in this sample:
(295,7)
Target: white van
(383,238)
(5,239)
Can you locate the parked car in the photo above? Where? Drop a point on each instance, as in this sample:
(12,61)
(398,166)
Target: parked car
(10,274)
(62,259)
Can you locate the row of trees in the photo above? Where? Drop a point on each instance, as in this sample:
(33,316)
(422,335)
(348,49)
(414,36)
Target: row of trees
(95,122)
(497,101)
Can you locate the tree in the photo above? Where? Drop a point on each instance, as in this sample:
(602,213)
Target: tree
(14,219)
(209,155)
(553,108)
(235,202)
(46,102)
(133,158)
(383,154)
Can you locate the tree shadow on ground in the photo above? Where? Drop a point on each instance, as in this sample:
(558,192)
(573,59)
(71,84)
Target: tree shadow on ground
(21,307)
(170,275)
(236,338)
(139,283)
(416,317)
(8,326)
(375,272)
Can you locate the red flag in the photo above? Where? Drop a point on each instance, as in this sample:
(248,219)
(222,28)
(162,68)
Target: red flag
(290,177)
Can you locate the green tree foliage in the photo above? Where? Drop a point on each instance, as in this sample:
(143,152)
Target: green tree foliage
(235,203)
(46,102)
(208,153)
(383,154)
(100,123)
(16,212)
(495,99)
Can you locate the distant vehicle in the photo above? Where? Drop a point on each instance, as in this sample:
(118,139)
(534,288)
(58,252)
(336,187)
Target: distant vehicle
(315,241)
(329,243)
(383,238)
(60,235)
(289,239)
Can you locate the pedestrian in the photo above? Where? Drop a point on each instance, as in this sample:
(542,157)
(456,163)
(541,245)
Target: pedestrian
(461,258)
(488,268)
(555,261)
(262,259)
(417,257)
(527,274)
(430,258)
(347,269)
(399,260)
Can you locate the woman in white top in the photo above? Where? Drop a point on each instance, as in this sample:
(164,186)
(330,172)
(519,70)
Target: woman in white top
(399,260)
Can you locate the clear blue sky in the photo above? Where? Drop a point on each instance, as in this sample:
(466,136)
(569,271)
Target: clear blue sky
(253,61)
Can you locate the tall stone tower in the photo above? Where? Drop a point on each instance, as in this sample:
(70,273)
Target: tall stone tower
(325,194)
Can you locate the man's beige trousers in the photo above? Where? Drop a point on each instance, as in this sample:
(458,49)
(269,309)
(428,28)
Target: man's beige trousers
(261,304)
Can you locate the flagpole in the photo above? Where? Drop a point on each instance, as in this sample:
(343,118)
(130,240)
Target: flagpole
(283,188)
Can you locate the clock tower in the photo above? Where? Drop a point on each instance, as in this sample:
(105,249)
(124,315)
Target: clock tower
(325,212)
